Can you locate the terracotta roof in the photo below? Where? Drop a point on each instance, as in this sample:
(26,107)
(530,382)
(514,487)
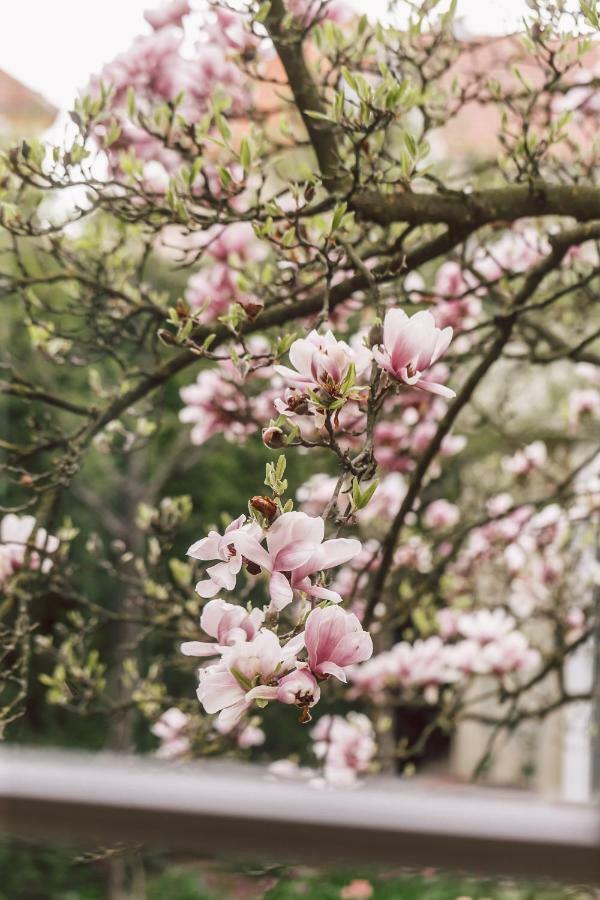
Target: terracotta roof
(23,111)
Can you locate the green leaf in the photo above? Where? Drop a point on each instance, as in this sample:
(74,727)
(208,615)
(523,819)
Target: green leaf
(245,154)
(338,215)
(263,11)
(241,679)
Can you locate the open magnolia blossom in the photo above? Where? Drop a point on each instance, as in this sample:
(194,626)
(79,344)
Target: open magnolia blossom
(242,674)
(171,730)
(345,746)
(410,347)
(222,576)
(228,624)
(321,363)
(335,639)
(15,535)
(482,642)
(295,551)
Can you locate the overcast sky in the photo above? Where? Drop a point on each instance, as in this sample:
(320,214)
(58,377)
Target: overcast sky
(54,45)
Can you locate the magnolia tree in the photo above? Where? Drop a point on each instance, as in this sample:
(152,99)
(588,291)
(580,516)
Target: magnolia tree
(284,222)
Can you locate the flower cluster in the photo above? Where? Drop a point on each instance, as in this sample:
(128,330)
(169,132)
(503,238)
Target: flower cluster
(482,642)
(345,748)
(156,70)
(255,664)
(214,288)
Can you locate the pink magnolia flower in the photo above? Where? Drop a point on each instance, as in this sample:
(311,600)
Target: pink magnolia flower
(228,624)
(224,687)
(250,736)
(346,746)
(423,664)
(295,548)
(322,363)
(510,653)
(334,640)
(441,514)
(527,460)
(485,625)
(222,547)
(15,536)
(410,347)
(167,14)
(170,729)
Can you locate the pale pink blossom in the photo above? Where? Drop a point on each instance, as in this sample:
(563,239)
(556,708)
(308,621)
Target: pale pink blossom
(310,10)
(485,625)
(222,576)
(323,363)
(228,624)
(295,550)
(250,736)
(423,664)
(410,347)
(584,402)
(171,729)
(167,14)
(447,619)
(510,653)
(527,460)
(217,403)
(224,687)
(335,639)
(575,621)
(345,746)
(441,515)
(314,495)
(15,542)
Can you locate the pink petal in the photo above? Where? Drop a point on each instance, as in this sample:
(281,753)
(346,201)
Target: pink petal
(222,576)
(212,614)
(200,648)
(280,590)
(354,648)
(218,690)
(293,556)
(301,354)
(230,716)
(262,692)
(394,322)
(442,344)
(207,548)
(331,668)
(252,550)
(207,588)
(435,388)
(292,376)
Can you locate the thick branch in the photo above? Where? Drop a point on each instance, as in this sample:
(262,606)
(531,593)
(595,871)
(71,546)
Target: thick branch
(288,44)
(472,210)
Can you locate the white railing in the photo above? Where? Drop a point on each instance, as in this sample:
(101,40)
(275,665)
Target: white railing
(229,810)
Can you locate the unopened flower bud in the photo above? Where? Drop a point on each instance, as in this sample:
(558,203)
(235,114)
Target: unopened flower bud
(375,336)
(273,437)
(265,506)
(252,309)
(167,338)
